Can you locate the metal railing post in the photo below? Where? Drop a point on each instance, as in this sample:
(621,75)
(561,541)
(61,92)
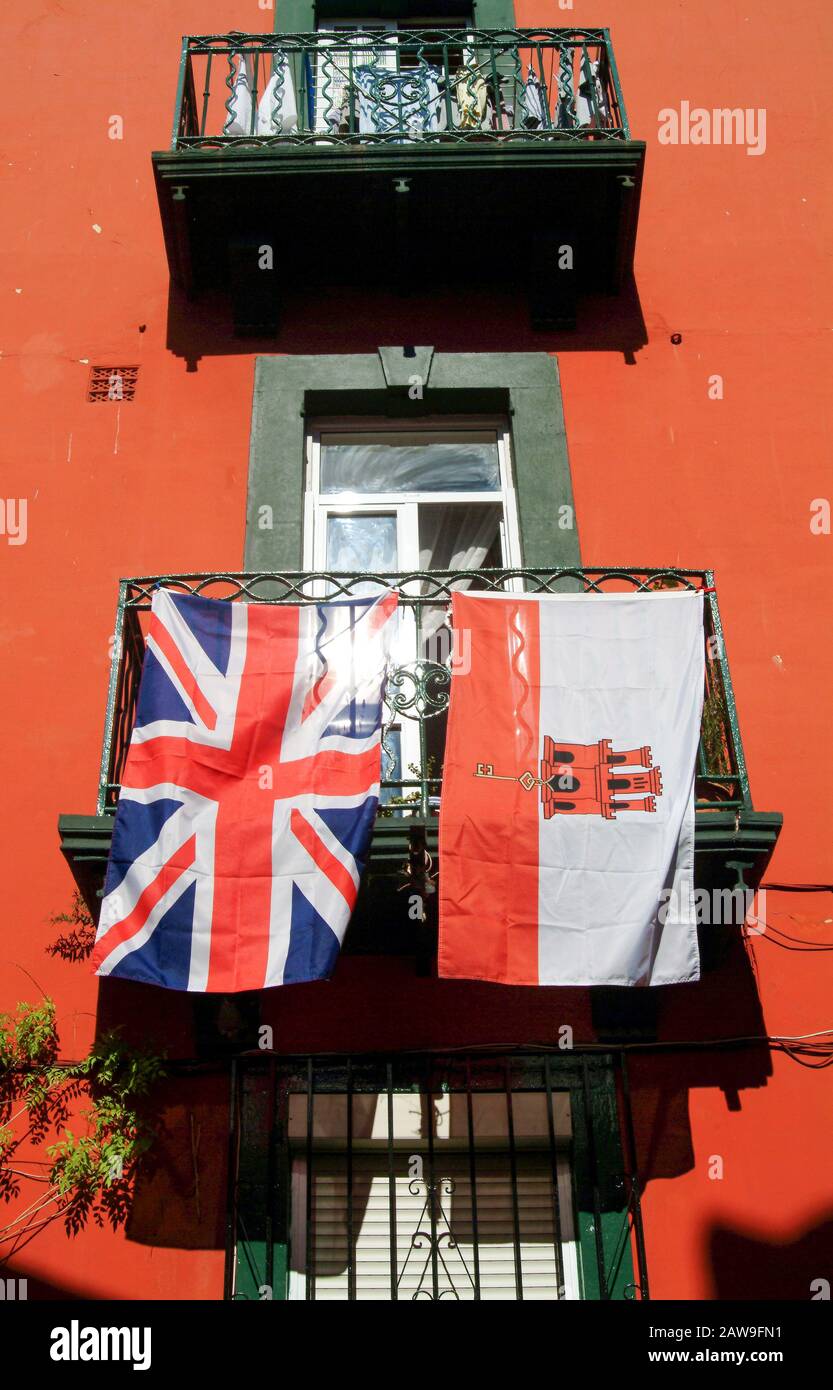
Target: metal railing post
(184,63)
(735,741)
(617,86)
(112,693)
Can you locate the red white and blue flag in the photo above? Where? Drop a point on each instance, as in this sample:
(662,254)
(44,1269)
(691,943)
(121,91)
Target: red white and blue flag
(249,792)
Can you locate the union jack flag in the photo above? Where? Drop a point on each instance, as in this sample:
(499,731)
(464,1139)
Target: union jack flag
(249,792)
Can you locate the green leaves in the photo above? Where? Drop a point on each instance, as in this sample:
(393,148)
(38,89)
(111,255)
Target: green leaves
(92,1173)
(31,1035)
(76,943)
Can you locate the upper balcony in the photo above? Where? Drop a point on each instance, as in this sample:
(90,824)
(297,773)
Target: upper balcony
(732,842)
(416,159)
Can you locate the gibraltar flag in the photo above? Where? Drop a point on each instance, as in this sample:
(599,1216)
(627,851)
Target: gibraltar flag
(567,811)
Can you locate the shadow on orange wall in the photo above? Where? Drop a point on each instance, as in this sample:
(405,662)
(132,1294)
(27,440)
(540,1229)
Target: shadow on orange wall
(180,1199)
(335,319)
(745,1266)
(374,1004)
(723,1007)
(660,1087)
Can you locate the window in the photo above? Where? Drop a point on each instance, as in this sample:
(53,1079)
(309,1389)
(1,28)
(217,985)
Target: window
(409,500)
(382,501)
(291,392)
(426,1175)
(440,1217)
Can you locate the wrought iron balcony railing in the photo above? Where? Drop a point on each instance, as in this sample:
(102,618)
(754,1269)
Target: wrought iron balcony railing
(439,85)
(418,687)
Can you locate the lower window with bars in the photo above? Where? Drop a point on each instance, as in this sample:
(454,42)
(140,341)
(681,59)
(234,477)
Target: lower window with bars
(417,1177)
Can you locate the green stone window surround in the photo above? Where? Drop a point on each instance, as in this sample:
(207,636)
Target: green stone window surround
(522,385)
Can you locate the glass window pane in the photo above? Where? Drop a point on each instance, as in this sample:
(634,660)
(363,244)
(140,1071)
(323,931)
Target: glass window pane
(364,464)
(459,535)
(454,536)
(366,544)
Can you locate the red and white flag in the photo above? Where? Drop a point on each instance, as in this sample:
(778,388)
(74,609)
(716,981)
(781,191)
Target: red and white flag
(567,812)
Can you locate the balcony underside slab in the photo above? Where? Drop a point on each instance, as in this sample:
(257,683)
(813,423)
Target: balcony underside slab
(723,841)
(409,217)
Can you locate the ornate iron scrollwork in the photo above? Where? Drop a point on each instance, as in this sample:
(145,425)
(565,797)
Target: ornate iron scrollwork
(419,689)
(434,1241)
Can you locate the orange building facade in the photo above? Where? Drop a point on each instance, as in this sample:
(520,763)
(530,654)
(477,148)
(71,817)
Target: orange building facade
(666,420)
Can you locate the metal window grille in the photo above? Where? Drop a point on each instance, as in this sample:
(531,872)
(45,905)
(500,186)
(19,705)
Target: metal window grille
(453,1178)
(425,1229)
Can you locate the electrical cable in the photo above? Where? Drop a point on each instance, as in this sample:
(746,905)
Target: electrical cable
(797,887)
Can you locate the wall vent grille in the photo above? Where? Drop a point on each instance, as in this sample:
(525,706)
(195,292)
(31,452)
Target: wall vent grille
(112,383)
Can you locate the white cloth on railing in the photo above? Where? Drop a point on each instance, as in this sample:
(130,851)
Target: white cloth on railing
(404,103)
(533,104)
(472,100)
(277,111)
(239,105)
(591,84)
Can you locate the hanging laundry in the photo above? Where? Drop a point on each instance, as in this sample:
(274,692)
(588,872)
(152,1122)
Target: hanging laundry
(591,85)
(239,104)
(421,105)
(309,86)
(432,110)
(506,104)
(277,112)
(472,98)
(566,114)
(373,120)
(406,103)
(533,102)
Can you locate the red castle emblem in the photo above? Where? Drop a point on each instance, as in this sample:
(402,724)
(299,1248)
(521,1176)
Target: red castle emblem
(590,779)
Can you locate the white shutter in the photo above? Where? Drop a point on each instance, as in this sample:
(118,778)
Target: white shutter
(453,1228)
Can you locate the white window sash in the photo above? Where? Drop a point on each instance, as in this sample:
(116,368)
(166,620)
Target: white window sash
(318,503)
